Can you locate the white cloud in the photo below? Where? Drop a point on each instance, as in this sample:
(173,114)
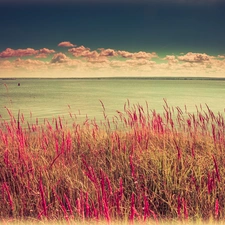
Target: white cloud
(59,58)
(108,62)
(137,55)
(195,57)
(107,52)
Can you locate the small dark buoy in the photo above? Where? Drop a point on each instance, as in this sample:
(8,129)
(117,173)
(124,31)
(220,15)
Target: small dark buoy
(18,84)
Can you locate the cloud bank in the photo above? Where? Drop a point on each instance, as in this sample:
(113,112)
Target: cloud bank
(9,52)
(81,61)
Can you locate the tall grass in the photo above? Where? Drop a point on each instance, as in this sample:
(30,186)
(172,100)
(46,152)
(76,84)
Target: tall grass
(137,166)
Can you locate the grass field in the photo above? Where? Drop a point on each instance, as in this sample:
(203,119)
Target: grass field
(138,167)
(72,222)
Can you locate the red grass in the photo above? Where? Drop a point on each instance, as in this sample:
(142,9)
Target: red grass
(139,165)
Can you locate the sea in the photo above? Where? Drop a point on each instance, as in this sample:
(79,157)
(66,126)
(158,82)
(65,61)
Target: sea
(88,97)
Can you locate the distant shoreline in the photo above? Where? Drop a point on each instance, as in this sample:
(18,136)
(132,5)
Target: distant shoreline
(118,78)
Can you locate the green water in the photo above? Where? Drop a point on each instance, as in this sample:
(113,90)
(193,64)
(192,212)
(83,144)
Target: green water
(48,98)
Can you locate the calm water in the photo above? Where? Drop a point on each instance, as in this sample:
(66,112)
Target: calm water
(48,98)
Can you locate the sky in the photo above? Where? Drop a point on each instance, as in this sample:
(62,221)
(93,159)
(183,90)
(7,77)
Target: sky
(112,38)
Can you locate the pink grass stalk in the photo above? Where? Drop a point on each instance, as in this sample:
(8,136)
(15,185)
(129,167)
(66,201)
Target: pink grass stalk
(193,150)
(211,182)
(119,196)
(217,206)
(82,204)
(146,208)
(133,211)
(53,161)
(56,145)
(179,207)
(6,157)
(90,173)
(154,216)
(61,204)
(62,148)
(178,150)
(109,185)
(69,205)
(216,168)
(185,208)
(4,139)
(105,199)
(132,168)
(56,125)
(103,106)
(44,205)
(78,206)
(87,206)
(10,199)
(106,210)
(214,132)
(95,212)
(60,123)
(193,179)
(68,142)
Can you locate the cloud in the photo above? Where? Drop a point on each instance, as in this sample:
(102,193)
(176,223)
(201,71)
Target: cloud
(82,51)
(133,66)
(6,64)
(221,56)
(42,53)
(100,59)
(144,55)
(82,61)
(77,52)
(195,57)
(85,52)
(66,44)
(137,55)
(29,63)
(59,58)
(140,62)
(23,65)
(107,52)
(90,54)
(46,51)
(125,54)
(171,59)
(9,52)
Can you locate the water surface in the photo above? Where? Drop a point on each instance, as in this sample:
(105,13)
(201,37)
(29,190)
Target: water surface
(48,98)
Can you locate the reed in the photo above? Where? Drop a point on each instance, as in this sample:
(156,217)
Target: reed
(138,166)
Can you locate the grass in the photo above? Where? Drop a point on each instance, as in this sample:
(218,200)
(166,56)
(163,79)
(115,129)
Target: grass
(139,166)
(105,222)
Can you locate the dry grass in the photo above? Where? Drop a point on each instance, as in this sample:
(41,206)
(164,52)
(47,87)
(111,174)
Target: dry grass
(137,166)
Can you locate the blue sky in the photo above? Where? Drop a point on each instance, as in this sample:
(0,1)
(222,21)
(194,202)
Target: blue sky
(170,29)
